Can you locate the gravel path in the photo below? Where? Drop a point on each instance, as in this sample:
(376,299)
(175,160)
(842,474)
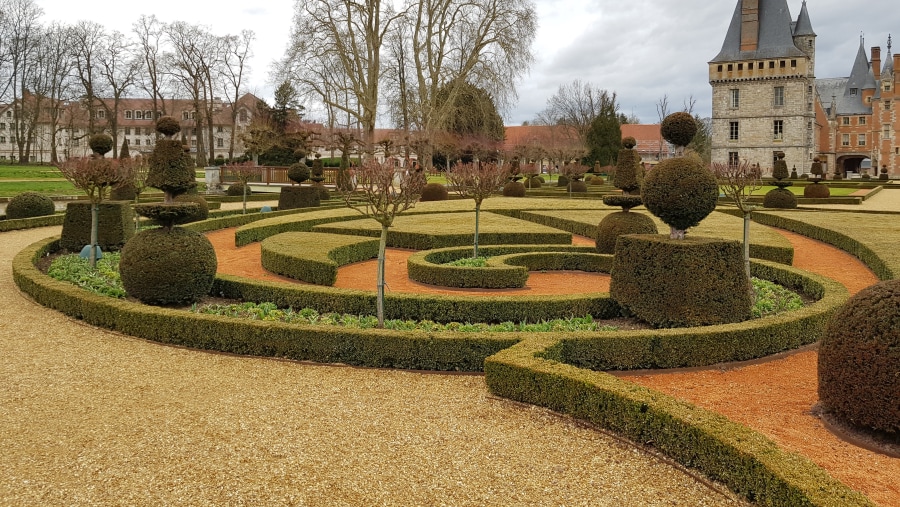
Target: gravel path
(90,417)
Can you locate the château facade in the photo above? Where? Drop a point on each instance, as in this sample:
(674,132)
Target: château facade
(766,97)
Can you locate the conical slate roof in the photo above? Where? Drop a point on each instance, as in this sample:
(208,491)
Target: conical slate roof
(775,38)
(861,76)
(803,26)
(888,70)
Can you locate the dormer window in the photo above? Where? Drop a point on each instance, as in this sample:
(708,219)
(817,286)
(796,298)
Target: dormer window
(854,92)
(138,115)
(128,115)
(148,115)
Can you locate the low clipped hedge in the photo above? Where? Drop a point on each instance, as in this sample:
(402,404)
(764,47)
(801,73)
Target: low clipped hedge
(298,197)
(707,345)
(262,229)
(314,257)
(507,268)
(115,225)
(366,347)
(14,224)
(746,461)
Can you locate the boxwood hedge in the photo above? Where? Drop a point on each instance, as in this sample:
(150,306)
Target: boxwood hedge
(314,257)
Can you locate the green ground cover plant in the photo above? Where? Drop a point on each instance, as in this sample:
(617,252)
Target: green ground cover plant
(103,280)
(470,262)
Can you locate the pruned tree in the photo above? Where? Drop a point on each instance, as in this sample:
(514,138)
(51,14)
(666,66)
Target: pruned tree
(96,176)
(738,182)
(236,52)
(244,172)
(477,181)
(382,194)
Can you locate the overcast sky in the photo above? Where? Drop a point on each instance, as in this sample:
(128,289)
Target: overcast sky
(641,49)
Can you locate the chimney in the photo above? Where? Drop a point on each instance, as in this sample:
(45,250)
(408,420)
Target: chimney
(749,25)
(876,62)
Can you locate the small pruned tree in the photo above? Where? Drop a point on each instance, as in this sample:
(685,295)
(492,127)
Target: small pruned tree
(738,182)
(96,176)
(382,193)
(244,172)
(477,181)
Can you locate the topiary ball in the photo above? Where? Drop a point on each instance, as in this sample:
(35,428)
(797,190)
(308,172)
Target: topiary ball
(629,142)
(298,172)
(597,180)
(100,144)
(621,222)
(434,192)
(237,189)
(679,128)
(563,181)
(681,192)
(28,205)
(168,126)
(124,192)
(168,267)
(816,191)
(859,359)
(533,182)
(514,189)
(780,198)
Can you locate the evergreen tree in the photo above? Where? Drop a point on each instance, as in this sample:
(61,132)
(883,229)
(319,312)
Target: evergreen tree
(604,137)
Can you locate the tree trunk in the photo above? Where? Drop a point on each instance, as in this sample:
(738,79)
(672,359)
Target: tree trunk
(246,184)
(379,298)
(95,226)
(477,214)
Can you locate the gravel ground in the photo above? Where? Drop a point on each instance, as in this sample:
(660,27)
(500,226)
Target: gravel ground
(90,417)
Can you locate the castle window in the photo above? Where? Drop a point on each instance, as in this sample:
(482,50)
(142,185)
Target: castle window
(809,106)
(854,92)
(730,67)
(733,158)
(809,89)
(735,98)
(740,66)
(719,68)
(138,115)
(887,86)
(734,131)
(219,129)
(772,64)
(887,105)
(845,140)
(809,125)
(778,130)
(886,131)
(220,142)
(793,63)
(750,66)
(779,96)
(845,120)
(128,115)
(809,43)
(148,115)
(861,140)
(782,64)
(861,120)
(127,131)
(101,113)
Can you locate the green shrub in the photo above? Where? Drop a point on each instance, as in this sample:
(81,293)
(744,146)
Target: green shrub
(298,172)
(314,257)
(562,181)
(816,191)
(533,182)
(168,126)
(171,168)
(124,192)
(29,205)
(780,198)
(202,209)
(678,128)
(514,189)
(168,267)
(597,180)
(101,144)
(681,192)
(237,189)
(629,173)
(298,197)
(577,186)
(859,360)
(434,192)
(680,283)
(616,224)
(115,225)
(779,169)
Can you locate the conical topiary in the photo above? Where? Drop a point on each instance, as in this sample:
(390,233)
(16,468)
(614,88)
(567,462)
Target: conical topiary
(628,177)
(780,197)
(817,190)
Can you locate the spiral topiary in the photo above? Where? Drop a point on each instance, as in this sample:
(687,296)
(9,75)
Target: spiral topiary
(298,173)
(100,144)
(29,205)
(780,198)
(621,222)
(514,189)
(168,267)
(680,191)
(434,192)
(859,360)
(679,128)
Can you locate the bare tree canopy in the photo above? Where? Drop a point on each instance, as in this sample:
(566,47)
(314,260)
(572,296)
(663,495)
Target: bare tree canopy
(576,105)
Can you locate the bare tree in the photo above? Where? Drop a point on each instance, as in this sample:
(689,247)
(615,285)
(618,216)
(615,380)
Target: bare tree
(575,105)
(244,172)
(23,32)
(235,54)
(738,182)
(335,55)
(662,110)
(188,64)
(478,182)
(150,33)
(87,43)
(383,194)
(118,70)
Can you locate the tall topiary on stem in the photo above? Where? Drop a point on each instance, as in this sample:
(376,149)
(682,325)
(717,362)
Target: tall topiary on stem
(780,197)
(817,190)
(298,197)
(672,281)
(628,177)
(168,265)
(738,182)
(514,188)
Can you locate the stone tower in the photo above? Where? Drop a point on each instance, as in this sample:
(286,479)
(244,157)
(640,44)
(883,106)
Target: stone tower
(763,83)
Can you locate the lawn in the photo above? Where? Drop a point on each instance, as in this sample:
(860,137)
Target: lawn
(52,187)
(28,172)
(798,191)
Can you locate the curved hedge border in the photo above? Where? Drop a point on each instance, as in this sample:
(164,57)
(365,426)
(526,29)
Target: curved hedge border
(703,346)
(364,347)
(746,461)
(508,266)
(262,229)
(314,257)
(31,223)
